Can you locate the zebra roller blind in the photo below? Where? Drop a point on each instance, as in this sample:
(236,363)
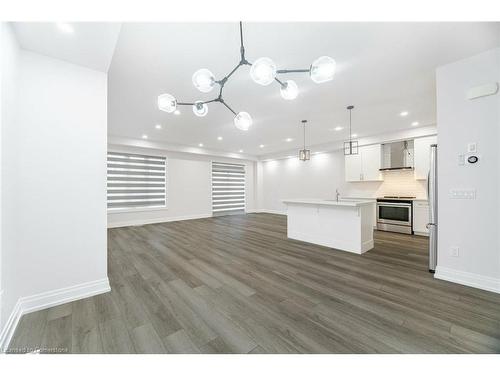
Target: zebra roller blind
(228,188)
(136,181)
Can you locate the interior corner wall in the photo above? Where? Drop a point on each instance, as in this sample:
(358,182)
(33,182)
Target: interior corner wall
(9,60)
(189,191)
(472,225)
(54,184)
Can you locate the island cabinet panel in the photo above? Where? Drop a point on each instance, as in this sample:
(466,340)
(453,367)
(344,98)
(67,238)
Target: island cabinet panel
(422,150)
(344,225)
(364,166)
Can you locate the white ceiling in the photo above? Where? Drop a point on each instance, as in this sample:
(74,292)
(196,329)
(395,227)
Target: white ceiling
(382,69)
(91,44)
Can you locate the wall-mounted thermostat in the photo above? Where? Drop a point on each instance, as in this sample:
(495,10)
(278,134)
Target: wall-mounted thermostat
(473,159)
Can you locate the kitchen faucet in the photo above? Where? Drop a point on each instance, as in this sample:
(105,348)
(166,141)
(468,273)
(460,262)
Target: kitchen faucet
(337,194)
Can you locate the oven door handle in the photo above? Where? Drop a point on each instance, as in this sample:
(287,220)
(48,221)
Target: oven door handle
(394,204)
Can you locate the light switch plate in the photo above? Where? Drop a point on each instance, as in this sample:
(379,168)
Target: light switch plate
(454,251)
(472,147)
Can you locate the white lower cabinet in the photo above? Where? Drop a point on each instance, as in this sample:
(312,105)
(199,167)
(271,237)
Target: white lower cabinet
(420,217)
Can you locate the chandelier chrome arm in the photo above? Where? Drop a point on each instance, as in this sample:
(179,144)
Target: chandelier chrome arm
(220,100)
(285,71)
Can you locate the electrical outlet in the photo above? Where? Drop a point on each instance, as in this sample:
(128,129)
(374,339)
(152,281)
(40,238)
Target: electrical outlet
(454,251)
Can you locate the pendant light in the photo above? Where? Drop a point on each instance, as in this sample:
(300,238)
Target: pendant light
(263,71)
(304,154)
(350,147)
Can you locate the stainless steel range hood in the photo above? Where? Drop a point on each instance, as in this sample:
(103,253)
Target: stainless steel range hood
(397,155)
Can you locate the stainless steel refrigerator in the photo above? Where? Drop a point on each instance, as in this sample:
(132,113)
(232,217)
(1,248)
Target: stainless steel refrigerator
(433,209)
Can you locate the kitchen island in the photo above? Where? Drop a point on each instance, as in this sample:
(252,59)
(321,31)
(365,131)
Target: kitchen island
(346,224)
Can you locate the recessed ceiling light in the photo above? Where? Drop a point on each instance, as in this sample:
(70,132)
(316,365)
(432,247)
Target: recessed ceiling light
(289,139)
(241,150)
(261,146)
(354,135)
(219,138)
(177,112)
(338,128)
(144,136)
(200,144)
(65,27)
(415,123)
(158,126)
(404,114)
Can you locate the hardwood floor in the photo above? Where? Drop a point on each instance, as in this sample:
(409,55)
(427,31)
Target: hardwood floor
(236,284)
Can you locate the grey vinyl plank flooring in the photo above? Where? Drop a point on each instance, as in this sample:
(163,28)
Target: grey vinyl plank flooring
(237,284)
(146,340)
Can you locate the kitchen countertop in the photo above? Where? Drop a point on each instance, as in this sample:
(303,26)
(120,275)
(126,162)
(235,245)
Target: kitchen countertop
(349,202)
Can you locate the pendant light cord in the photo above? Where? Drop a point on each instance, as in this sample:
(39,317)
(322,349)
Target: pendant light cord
(350,108)
(304,135)
(241,34)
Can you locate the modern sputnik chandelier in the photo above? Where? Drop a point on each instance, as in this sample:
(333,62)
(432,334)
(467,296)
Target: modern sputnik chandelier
(304,154)
(350,147)
(263,71)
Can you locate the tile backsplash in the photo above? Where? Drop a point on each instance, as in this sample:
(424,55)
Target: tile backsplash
(402,182)
(397,182)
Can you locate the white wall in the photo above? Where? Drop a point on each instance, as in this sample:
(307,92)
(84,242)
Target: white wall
(321,176)
(54,178)
(188,188)
(472,225)
(9,77)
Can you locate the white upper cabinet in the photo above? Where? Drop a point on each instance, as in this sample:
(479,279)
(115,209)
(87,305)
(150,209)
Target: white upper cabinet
(365,165)
(353,168)
(422,151)
(371,162)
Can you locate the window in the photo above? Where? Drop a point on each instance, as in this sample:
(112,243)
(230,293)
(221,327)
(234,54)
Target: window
(136,181)
(228,188)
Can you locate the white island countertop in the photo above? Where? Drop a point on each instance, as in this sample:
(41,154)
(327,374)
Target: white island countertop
(331,202)
(346,224)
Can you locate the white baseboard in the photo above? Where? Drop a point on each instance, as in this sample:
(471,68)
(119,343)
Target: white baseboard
(48,299)
(425,234)
(139,222)
(265,211)
(335,244)
(136,222)
(466,278)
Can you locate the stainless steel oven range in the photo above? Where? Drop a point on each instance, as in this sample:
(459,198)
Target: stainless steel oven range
(394,214)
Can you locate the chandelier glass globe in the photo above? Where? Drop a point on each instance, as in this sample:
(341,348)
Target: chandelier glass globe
(203,80)
(200,109)
(243,121)
(167,103)
(263,71)
(289,90)
(322,69)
